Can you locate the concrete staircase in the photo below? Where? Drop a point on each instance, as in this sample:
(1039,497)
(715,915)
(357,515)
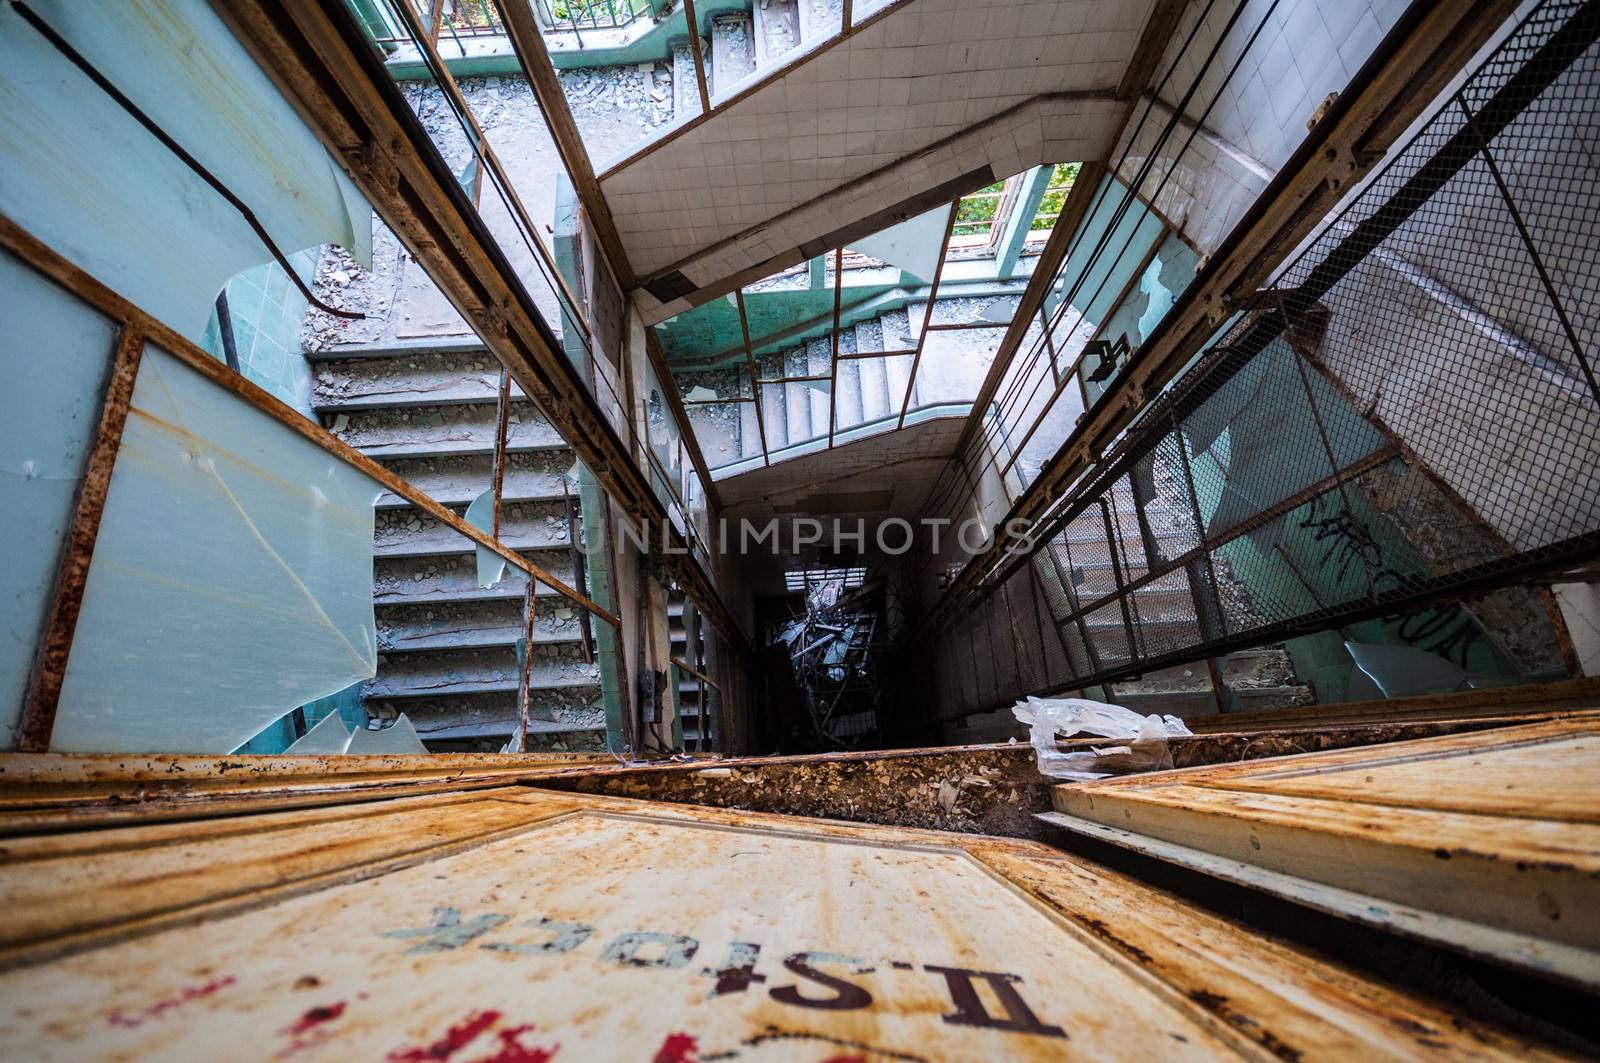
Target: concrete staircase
(1163,618)
(869,389)
(691,692)
(446,647)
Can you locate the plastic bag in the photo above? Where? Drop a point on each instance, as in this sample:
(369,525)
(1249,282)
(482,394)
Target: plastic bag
(1146,737)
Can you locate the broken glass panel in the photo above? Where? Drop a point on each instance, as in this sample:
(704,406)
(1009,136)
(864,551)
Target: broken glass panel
(330,735)
(69,183)
(1105,254)
(913,245)
(241,551)
(56,352)
(480,514)
(399,737)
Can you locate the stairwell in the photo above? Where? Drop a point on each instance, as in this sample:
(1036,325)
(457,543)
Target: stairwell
(1163,615)
(869,389)
(699,731)
(447,647)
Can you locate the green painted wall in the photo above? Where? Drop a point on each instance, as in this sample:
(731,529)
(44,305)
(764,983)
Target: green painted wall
(713,327)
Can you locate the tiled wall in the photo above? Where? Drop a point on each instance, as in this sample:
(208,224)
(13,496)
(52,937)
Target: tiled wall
(1055,128)
(1305,50)
(266,310)
(927,70)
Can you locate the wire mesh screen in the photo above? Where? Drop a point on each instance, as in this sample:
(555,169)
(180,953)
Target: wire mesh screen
(1408,416)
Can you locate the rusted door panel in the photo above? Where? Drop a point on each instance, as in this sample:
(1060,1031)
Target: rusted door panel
(83,887)
(601,928)
(47,791)
(1488,843)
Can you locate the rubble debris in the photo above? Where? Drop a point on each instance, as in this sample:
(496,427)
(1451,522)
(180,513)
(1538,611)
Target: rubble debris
(831,648)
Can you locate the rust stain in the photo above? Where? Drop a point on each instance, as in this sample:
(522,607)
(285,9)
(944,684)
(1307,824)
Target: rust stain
(1222,1007)
(1104,933)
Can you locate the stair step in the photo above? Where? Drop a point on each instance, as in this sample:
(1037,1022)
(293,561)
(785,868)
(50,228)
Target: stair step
(897,334)
(471,626)
(869,336)
(733,51)
(524,526)
(847,395)
(1266,667)
(874,388)
(470,718)
(1168,703)
(454,579)
(1258,699)
(413,348)
(435,431)
(797,397)
(455,480)
(415,675)
(431,380)
(774,403)
(897,372)
(819,362)
(749,431)
(685,98)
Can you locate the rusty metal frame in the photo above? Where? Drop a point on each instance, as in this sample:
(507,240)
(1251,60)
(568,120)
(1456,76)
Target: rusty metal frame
(72,571)
(319,55)
(694,50)
(838,293)
(927,313)
(502,427)
(861,355)
(755,376)
(530,611)
(1403,77)
(712,683)
(137,329)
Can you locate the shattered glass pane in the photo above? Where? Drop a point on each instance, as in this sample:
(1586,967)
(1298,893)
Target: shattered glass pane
(56,353)
(68,182)
(231,581)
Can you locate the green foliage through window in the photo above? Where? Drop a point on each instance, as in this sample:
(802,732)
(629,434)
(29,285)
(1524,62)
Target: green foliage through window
(975,213)
(1061,179)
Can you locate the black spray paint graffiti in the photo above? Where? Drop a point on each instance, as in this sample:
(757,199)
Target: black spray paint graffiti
(1448,631)
(826,981)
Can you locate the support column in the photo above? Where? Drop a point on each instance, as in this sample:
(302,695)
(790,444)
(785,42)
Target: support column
(1029,195)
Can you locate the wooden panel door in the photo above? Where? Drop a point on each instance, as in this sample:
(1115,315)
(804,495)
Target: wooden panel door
(519,924)
(1488,842)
